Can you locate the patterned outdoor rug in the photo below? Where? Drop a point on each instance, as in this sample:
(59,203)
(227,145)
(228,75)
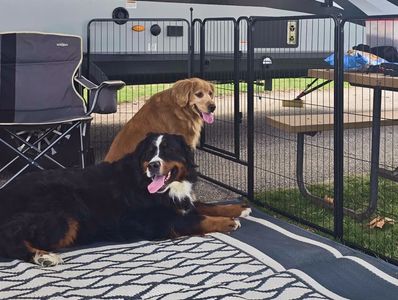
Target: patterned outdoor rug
(265,259)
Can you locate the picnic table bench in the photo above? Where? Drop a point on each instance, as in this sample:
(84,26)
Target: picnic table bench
(311,124)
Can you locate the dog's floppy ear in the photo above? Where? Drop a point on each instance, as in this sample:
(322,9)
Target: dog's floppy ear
(181,91)
(188,151)
(144,144)
(212,88)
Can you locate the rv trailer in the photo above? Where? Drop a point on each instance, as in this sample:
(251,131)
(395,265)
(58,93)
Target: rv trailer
(151,41)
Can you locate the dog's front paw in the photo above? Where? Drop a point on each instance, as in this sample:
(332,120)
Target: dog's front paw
(228,225)
(47,259)
(246,212)
(237,224)
(240,210)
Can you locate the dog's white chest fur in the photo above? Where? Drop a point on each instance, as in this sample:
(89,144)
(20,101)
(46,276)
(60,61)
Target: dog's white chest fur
(181,190)
(196,128)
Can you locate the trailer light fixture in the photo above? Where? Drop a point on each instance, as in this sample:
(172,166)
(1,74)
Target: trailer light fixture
(155,29)
(138,28)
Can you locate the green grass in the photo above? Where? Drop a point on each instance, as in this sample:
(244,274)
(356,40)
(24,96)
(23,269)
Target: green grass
(133,93)
(285,84)
(356,196)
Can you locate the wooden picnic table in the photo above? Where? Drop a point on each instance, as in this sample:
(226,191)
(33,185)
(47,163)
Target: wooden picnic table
(310,124)
(370,80)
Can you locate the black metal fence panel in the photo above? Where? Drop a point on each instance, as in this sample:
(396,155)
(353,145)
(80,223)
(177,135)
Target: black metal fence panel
(370,158)
(223,154)
(148,54)
(295,130)
(293,127)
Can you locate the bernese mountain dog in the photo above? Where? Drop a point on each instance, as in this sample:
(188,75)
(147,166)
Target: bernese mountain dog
(145,195)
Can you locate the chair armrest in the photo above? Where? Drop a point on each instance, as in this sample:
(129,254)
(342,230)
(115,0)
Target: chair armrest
(103,97)
(84,82)
(112,84)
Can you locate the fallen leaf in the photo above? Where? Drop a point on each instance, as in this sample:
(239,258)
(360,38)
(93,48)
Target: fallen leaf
(379,222)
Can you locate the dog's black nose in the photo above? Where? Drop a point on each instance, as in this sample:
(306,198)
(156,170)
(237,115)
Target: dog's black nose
(211,108)
(154,166)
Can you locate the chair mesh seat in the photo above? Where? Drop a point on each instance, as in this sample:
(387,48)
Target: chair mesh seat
(49,121)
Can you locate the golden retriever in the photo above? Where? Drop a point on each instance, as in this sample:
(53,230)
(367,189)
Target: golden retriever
(181,109)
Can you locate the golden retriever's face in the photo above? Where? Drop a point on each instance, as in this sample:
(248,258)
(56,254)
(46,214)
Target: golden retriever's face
(198,94)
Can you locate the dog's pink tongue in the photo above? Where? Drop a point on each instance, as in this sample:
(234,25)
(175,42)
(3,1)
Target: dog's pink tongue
(156,184)
(208,117)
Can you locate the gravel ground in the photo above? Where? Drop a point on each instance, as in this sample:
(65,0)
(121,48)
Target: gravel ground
(208,192)
(275,151)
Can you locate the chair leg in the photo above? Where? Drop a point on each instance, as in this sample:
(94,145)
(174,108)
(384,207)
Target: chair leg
(37,157)
(81,133)
(31,161)
(14,176)
(46,133)
(33,147)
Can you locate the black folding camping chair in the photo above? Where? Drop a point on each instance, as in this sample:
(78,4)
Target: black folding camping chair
(39,102)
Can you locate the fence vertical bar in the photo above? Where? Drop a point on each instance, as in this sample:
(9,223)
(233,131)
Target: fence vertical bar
(202,70)
(191,44)
(237,120)
(250,109)
(202,50)
(88,51)
(338,155)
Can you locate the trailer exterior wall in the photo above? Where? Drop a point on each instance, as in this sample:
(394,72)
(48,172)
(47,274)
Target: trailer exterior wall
(72,16)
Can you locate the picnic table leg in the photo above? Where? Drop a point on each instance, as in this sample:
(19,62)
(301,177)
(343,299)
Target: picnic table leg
(316,199)
(300,174)
(374,157)
(375,154)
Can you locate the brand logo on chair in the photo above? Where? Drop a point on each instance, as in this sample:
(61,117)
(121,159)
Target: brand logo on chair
(62,44)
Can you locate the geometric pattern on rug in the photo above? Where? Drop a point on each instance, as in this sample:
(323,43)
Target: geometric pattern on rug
(186,268)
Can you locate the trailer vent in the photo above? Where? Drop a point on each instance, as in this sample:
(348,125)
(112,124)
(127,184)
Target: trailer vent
(175,31)
(120,14)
